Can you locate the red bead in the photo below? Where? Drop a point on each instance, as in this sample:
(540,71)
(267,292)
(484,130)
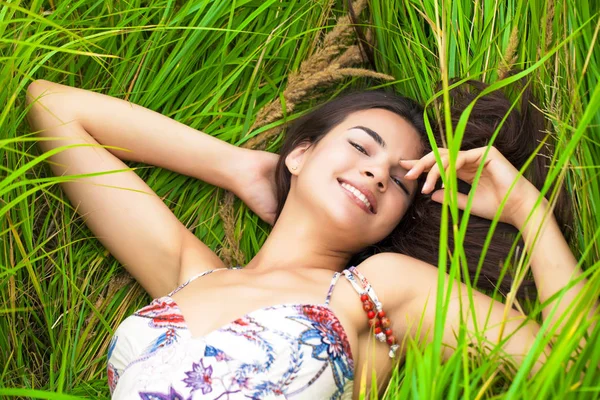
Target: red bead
(391,340)
(385,322)
(377,330)
(373,322)
(381,314)
(367,306)
(388,332)
(378,322)
(371,314)
(364,297)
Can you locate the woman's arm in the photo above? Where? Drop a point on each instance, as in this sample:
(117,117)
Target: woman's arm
(150,137)
(552,262)
(120,209)
(553,265)
(155,139)
(410,301)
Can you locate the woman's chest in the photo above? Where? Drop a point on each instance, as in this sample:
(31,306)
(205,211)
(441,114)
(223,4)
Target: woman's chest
(278,350)
(339,325)
(303,326)
(212,302)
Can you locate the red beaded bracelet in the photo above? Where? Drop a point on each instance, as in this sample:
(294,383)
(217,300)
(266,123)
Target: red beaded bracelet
(378,320)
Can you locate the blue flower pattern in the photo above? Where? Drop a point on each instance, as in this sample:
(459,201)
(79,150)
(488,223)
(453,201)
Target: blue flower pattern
(284,351)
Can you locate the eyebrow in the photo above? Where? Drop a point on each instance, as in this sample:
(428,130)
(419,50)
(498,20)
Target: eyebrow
(376,137)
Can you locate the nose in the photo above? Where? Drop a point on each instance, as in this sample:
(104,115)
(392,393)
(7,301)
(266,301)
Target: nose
(379,175)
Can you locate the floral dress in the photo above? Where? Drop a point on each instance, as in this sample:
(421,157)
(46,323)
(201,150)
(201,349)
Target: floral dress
(277,352)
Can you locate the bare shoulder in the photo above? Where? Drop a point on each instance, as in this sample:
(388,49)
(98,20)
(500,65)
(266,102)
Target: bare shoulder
(398,278)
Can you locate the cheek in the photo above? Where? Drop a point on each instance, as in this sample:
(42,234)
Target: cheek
(399,202)
(400,213)
(342,157)
(395,212)
(332,161)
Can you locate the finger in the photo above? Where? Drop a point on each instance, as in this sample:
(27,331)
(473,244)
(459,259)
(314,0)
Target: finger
(461,172)
(408,164)
(465,157)
(424,164)
(461,199)
(468,161)
(416,169)
(475,156)
(434,175)
(438,196)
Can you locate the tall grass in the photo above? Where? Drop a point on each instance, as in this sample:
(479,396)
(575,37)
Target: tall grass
(213,64)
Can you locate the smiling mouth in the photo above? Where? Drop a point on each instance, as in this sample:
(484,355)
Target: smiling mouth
(357,196)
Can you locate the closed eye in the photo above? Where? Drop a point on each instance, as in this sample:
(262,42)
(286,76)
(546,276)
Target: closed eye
(399,183)
(359,148)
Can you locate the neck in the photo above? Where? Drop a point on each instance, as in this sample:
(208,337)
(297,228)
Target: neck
(297,241)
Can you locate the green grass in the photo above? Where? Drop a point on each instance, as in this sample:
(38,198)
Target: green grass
(212,65)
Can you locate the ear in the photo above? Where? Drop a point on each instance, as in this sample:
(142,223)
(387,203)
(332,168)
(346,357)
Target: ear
(297,157)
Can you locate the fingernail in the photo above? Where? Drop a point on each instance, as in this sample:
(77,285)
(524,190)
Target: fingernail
(425,188)
(410,173)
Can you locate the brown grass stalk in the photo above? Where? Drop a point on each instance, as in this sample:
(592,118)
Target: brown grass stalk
(510,55)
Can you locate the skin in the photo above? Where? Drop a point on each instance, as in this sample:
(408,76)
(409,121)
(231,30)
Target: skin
(318,231)
(300,237)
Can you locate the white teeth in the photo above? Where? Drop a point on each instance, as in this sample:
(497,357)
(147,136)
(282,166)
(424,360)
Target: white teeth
(357,193)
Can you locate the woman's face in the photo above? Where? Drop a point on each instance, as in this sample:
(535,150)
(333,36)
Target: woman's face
(352,177)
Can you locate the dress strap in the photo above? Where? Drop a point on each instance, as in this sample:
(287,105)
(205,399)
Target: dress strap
(366,286)
(371,304)
(193,278)
(334,280)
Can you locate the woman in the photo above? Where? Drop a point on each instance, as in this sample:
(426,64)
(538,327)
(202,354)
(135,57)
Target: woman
(289,327)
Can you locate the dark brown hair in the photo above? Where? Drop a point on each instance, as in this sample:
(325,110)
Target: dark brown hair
(417,234)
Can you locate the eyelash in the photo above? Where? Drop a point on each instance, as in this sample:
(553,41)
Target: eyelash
(359,148)
(362,150)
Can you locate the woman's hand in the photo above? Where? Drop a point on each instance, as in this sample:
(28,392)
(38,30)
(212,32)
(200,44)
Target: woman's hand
(496,178)
(255,183)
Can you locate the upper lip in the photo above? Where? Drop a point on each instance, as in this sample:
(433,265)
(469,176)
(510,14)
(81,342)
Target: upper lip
(365,191)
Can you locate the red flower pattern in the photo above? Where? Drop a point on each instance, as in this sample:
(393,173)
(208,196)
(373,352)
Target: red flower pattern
(324,316)
(163,313)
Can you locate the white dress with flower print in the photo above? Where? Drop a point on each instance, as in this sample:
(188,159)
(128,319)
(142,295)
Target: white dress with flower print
(283,351)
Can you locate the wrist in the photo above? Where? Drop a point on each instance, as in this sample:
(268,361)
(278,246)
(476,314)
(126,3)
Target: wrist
(234,163)
(239,162)
(531,210)
(211,160)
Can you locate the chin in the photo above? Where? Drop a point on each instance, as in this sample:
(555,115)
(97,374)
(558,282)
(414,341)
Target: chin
(347,217)
(361,232)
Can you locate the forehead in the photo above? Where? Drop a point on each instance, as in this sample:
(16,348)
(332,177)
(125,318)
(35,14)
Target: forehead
(399,135)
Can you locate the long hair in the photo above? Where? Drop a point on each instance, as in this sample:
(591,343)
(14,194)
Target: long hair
(417,234)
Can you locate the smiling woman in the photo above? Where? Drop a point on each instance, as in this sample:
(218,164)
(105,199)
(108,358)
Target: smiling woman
(340,190)
(400,118)
(334,159)
(135,286)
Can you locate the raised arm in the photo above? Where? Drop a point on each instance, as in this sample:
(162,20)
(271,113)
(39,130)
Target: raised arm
(120,209)
(149,137)
(552,262)
(411,304)
(554,266)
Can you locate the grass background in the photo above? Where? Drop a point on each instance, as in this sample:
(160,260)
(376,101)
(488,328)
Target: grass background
(213,64)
